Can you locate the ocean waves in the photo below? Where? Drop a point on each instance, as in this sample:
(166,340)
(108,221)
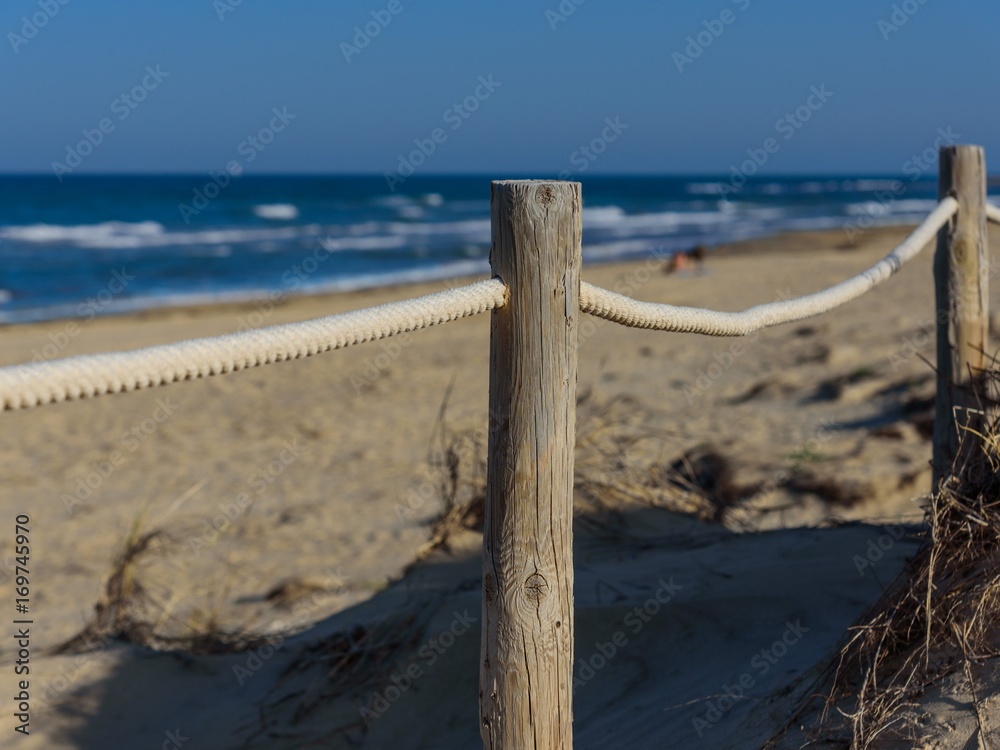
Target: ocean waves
(59,242)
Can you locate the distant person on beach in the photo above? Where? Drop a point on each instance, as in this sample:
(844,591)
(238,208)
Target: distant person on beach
(685,263)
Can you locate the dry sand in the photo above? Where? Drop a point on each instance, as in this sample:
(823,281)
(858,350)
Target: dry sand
(308,465)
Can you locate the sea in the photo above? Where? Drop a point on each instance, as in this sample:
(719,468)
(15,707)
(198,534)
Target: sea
(102,245)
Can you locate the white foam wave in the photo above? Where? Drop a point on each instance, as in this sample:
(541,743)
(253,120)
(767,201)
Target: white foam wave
(772,188)
(612,250)
(602,215)
(410,212)
(893,208)
(470,227)
(49,233)
(277,211)
(121,236)
(363,243)
(671,220)
(868,185)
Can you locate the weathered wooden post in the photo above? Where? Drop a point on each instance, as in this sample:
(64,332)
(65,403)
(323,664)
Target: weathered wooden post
(961,281)
(526,667)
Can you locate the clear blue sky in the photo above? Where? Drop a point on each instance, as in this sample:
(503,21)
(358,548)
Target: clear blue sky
(606,60)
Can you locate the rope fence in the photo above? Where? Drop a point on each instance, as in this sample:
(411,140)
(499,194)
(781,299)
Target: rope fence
(526,665)
(993,213)
(635,314)
(40,383)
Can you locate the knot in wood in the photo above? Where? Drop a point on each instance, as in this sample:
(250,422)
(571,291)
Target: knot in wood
(545,195)
(536,588)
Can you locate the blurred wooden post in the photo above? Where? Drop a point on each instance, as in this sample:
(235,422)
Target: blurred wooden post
(961,281)
(526,667)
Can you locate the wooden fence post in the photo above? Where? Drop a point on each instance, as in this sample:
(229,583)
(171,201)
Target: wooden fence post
(526,666)
(961,282)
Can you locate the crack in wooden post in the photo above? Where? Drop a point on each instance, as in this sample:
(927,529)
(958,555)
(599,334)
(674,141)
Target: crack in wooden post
(526,675)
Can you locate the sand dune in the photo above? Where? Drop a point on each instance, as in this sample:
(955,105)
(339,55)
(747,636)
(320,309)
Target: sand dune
(288,501)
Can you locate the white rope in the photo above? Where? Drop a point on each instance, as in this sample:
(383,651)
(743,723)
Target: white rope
(630,312)
(37,383)
(993,213)
(23,386)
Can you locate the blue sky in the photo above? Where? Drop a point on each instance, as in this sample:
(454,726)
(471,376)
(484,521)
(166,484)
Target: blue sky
(228,66)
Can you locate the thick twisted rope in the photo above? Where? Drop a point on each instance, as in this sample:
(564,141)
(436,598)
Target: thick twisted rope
(993,213)
(23,386)
(630,312)
(34,384)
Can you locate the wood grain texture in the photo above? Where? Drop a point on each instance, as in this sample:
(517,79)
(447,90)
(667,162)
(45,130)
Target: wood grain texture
(526,668)
(961,282)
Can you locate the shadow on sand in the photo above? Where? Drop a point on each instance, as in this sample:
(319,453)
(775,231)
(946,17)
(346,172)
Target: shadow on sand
(674,617)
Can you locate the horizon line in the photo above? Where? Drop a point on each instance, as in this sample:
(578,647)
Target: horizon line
(484,175)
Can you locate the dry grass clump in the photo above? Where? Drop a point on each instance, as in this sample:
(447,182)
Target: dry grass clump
(127,611)
(458,463)
(344,662)
(941,614)
(832,490)
(619,462)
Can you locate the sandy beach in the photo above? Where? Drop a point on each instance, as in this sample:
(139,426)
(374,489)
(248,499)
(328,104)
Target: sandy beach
(283,507)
